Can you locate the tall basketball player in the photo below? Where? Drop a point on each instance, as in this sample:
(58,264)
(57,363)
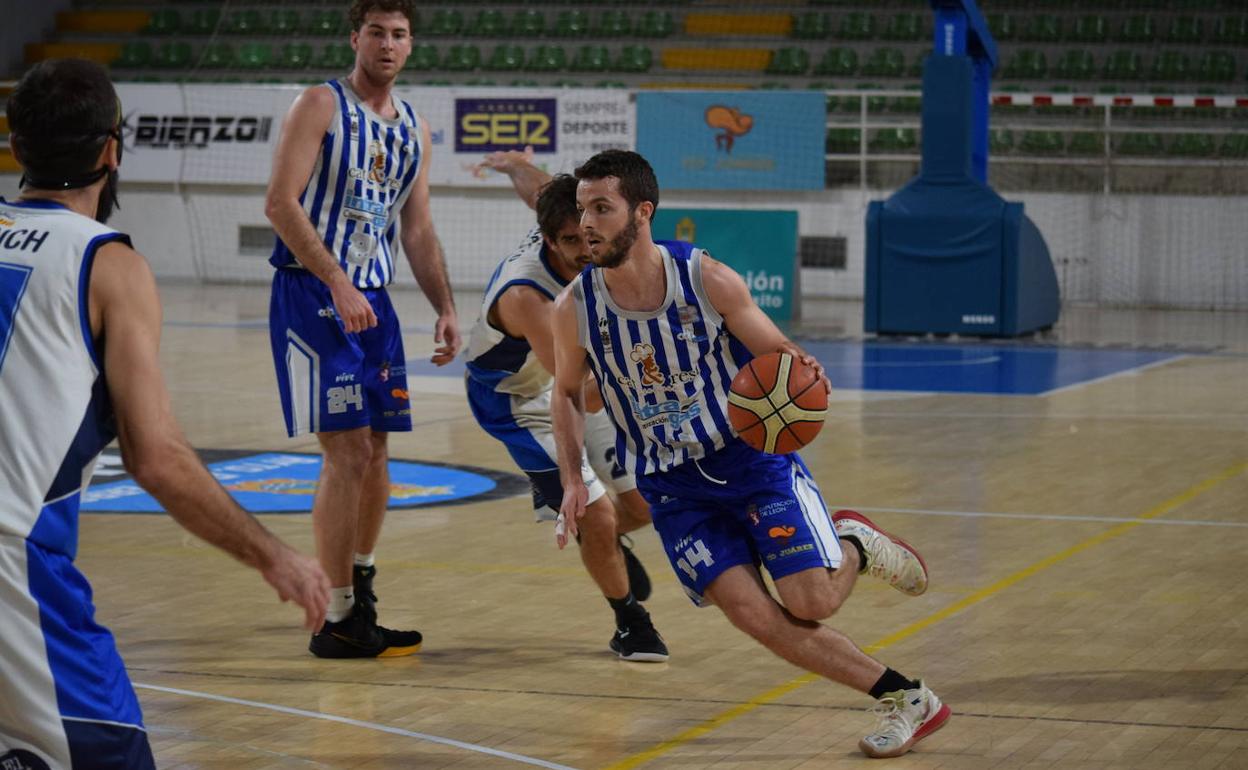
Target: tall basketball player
(350,180)
(664,328)
(79,333)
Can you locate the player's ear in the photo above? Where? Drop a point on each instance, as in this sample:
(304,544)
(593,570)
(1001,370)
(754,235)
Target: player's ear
(645,212)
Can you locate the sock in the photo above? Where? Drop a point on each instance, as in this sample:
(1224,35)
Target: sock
(340,603)
(626,608)
(891,681)
(862,555)
(363,560)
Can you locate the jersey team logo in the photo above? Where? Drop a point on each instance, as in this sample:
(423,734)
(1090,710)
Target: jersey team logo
(644,354)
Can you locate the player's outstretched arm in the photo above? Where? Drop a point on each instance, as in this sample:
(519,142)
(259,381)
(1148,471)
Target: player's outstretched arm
(302,132)
(567,411)
(125,318)
(424,254)
(731,298)
(518,166)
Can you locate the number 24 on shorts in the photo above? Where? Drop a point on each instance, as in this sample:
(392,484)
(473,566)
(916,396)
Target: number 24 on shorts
(695,554)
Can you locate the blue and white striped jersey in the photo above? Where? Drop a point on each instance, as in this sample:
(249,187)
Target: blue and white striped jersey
(360,182)
(505,363)
(665,375)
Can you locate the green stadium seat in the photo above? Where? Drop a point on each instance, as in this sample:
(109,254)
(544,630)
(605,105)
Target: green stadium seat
(1216,66)
(1171,65)
(246,22)
(1086,143)
(567,83)
(889,140)
(1090,29)
(1193,146)
(203,21)
(1041,29)
(875,104)
(135,54)
(789,61)
(446,23)
(283,22)
(1000,141)
(1027,64)
(424,58)
(462,58)
(325,23)
(591,58)
(506,58)
(528,24)
(295,56)
(857,25)
(1041,143)
(885,63)
(547,58)
(775,85)
(613,23)
(1184,30)
(610,84)
(634,58)
(903,26)
(843,141)
(1141,144)
(255,56)
(1234,146)
(1232,30)
(656,24)
(172,55)
(217,56)
(1076,65)
(164,21)
(838,61)
(811,26)
(571,24)
(488,23)
(1001,26)
(909,104)
(1137,29)
(1123,65)
(1197,5)
(335,56)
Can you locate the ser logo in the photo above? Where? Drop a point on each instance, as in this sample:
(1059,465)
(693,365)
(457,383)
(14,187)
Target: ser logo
(490,125)
(178,131)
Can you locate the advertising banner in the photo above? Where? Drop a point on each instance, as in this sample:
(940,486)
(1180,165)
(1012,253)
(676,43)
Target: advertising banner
(760,245)
(733,140)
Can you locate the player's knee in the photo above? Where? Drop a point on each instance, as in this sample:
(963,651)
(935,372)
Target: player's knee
(351,452)
(812,605)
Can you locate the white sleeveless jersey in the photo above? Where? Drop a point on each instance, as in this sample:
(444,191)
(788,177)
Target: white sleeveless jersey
(55,415)
(665,375)
(505,363)
(362,177)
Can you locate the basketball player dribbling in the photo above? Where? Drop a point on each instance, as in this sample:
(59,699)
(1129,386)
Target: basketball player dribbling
(664,328)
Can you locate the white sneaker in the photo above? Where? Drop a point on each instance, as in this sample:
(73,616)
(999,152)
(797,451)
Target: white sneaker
(906,717)
(889,558)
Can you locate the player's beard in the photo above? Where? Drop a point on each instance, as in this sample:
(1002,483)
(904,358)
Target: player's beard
(108,198)
(617,250)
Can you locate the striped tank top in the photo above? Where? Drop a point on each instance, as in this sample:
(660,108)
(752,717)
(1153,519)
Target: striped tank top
(360,182)
(664,375)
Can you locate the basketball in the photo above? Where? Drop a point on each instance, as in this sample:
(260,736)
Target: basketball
(777,404)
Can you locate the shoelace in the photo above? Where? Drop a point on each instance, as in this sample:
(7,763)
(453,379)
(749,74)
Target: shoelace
(888,562)
(893,724)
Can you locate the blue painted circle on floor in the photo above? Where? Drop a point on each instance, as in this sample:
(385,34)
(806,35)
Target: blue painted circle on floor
(285,482)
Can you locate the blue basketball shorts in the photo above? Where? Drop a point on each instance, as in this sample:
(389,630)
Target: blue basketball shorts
(65,699)
(328,379)
(740,506)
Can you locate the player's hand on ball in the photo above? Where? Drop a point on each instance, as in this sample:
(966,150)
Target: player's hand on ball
(575,498)
(806,358)
(352,307)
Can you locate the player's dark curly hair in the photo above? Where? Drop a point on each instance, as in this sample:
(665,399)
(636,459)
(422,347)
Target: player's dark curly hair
(637,180)
(361,8)
(60,115)
(556,205)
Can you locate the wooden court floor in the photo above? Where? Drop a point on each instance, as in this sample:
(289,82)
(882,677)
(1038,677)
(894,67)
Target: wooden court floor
(1088,552)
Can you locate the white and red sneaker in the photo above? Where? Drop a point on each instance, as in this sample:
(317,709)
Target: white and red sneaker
(889,558)
(906,717)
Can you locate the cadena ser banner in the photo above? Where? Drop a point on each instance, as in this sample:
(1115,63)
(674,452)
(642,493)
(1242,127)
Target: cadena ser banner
(226,134)
(733,140)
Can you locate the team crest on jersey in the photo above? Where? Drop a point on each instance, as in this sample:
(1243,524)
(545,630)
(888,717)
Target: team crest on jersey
(688,314)
(377,163)
(643,354)
(604,334)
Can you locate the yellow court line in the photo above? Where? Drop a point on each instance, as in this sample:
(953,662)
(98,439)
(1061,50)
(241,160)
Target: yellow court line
(775,693)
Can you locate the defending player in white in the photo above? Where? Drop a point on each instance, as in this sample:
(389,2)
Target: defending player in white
(664,328)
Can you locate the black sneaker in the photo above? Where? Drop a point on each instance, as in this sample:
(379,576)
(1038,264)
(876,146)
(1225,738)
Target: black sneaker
(362,583)
(639,641)
(359,636)
(638,580)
